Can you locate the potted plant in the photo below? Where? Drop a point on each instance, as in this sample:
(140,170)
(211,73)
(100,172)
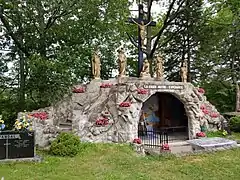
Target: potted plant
(200,135)
(165,148)
(137,141)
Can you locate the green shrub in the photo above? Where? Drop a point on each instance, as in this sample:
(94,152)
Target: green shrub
(235,124)
(66,144)
(216,133)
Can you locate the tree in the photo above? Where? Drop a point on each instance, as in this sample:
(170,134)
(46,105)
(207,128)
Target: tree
(50,44)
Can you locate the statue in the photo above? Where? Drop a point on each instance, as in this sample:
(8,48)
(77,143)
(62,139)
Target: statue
(96,65)
(159,67)
(146,69)
(184,71)
(122,63)
(142,28)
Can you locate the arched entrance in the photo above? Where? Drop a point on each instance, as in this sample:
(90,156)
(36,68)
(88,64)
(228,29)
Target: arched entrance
(163,112)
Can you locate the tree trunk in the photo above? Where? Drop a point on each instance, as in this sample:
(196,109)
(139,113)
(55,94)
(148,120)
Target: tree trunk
(22,82)
(149,39)
(237,98)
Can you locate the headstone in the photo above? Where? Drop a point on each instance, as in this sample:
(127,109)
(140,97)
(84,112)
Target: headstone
(15,145)
(215,143)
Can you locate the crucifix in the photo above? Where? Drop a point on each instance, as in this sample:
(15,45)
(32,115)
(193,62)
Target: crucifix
(142,24)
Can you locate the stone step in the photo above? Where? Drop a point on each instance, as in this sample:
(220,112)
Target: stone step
(65,124)
(178,143)
(65,129)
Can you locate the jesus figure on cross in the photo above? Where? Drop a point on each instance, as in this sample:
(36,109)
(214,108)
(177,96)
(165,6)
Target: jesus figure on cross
(142,28)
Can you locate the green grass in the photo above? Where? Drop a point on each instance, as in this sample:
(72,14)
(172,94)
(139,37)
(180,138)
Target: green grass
(105,161)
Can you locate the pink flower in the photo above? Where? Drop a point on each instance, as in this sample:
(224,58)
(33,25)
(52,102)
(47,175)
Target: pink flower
(201,90)
(205,111)
(165,147)
(142,91)
(102,122)
(78,90)
(214,115)
(125,104)
(40,115)
(107,85)
(137,141)
(200,134)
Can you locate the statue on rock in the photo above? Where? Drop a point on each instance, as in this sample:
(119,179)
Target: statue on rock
(159,67)
(122,63)
(146,69)
(96,65)
(184,71)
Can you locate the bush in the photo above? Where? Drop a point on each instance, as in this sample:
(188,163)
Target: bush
(66,144)
(216,133)
(235,124)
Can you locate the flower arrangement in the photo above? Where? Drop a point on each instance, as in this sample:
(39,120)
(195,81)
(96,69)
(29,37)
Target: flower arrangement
(137,141)
(201,90)
(165,147)
(102,122)
(142,91)
(200,134)
(78,90)
(24,123)
(214,115)
(40,115)
(205,111)
(2,125)
(107,85)
(125,104)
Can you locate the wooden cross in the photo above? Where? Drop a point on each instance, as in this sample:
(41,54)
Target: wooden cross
(142,23)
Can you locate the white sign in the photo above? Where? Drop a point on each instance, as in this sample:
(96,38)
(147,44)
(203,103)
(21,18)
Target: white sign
(10,136)
(164,87)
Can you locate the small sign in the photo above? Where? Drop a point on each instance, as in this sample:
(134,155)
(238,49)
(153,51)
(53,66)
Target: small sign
(16,145)
(164,87)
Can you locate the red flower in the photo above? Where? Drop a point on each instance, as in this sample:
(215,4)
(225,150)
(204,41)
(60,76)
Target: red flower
(142,91)
(165,147)
(205,111)
(137,141)
(107,85)
(125,104)
(78,90)
(40,115)
(102,122)
(214,115)
(201,90)
(200,134)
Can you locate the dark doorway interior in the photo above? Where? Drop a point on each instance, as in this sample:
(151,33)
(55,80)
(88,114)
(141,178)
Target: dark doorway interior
(171,112)
(164,112)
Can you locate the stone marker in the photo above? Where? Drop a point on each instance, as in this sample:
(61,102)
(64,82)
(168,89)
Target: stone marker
(215,143)
(15,144)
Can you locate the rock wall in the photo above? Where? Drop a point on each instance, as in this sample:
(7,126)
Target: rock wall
(97,113)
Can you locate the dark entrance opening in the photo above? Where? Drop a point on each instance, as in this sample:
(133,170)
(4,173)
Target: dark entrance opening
(163,113)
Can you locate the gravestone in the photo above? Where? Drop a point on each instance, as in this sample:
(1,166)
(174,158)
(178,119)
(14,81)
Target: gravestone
(215,143)
(15,145)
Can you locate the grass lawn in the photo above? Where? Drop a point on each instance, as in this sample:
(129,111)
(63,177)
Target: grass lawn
(105,161)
